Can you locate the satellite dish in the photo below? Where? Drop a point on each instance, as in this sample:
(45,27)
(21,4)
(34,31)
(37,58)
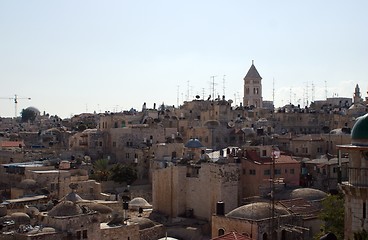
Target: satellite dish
(231,124)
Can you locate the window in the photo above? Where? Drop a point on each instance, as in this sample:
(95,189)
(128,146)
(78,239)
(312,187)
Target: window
(100,144)
(285,170)
(252,172)
(364,210)
(267,172)
(127,155)
(292,171)
(85,236)
(264,153)
(277,171)
(114,144)
(221,232)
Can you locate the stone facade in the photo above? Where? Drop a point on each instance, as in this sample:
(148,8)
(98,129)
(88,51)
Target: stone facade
(193,191)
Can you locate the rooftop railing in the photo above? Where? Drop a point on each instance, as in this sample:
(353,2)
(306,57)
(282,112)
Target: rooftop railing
(358,177)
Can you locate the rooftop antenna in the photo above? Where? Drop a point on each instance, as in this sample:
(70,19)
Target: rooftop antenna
(273,91)
(223,85)
(177,96)
(213,86)
(290,96)
(306,96)
(326,89)
(188,89)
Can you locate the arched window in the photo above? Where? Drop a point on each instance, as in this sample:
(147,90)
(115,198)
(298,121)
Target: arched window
(221,232)
(264,236)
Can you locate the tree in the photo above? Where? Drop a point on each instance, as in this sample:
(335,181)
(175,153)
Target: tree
(28,115)
(361,235)
(333,215)
(123,173)
(101,171)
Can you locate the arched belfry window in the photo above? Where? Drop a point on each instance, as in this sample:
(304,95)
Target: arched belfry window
(221,232)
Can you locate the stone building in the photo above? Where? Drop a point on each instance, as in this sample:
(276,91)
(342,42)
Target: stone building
(356,188)
(194,190)
(292,215)
(255,221)
(257,167)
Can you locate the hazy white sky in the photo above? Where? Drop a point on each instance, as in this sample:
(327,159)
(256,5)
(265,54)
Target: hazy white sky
(76,56)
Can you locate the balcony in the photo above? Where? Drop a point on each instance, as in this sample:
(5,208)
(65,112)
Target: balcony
(358,177)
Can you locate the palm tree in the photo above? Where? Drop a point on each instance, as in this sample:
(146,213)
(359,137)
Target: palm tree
(101,171)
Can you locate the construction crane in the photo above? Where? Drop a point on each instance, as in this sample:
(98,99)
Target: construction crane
(16,98)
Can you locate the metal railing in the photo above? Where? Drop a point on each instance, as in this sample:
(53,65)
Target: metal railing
(358,177)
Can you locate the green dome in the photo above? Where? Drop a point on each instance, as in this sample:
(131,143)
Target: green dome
(359,133)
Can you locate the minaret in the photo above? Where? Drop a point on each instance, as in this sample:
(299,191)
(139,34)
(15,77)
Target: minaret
(253,88)
(357,95)
(355,188)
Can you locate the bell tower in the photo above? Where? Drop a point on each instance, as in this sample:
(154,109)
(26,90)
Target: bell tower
(253,88)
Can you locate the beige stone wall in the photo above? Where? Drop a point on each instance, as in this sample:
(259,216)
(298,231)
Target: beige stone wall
(230,224)
(74,224)
(39,236)
(169,189)
(214,183)
(122,232)
(152,233)
(175,193)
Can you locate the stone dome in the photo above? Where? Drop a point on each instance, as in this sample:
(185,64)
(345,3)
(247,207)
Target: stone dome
(65,208)
(142,222)
(359,133)
(32,211)
(138,202)
(28,184)
(256,211)
(194,143)
(308,194)
(100,208)
(33,109)
(20,218)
